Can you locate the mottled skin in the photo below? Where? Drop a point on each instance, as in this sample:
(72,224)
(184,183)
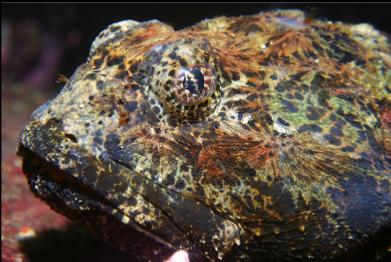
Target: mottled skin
(247,138)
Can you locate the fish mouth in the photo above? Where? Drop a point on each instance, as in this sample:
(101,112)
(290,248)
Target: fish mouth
(90,190)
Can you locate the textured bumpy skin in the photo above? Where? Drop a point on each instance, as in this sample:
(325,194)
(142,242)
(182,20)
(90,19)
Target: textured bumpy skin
(246,138)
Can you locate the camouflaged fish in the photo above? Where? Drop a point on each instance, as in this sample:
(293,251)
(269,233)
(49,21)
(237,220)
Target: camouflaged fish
(264,137)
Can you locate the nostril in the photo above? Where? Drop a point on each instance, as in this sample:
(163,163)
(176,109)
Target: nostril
(71,137)
(54,121)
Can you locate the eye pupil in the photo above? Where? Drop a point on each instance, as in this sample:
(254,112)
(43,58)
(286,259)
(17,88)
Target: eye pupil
(193,81)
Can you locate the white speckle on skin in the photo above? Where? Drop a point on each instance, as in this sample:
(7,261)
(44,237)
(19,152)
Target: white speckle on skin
(125,219)
(281,128)
(318,136)
(157,48)
(179,256)
(26,232)
(246,118)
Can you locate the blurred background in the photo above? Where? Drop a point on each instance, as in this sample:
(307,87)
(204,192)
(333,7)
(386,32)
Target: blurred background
(41,41)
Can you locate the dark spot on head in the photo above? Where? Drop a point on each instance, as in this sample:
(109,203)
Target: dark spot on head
(332,117)
(343,56)
(351,119)
(235,76)
(361,136)
(115,60)
(114,28)
(336,131)
(170,179)
(273,77)
(347,149)
(249,83)
(172,122)
(264,86)
(222,115)
(317,46)
(180,184)
(121,74)
(282,121)
(317,81)
(268,119)
(252,124)
(311,128)
(289,106)
(90,76)
(156,110)
(97,140)
(209,135)
(297,55)
(285,60)
(298,96)
(332,139)
(174,56)
(182,62)
(347,97)
(112,145)
(135,87)
(100,85)
(250,73)
(134,67)
(261,74)
(252,97)
(323,96)
(243,57)
(130,106)
(372,141)
(98,62)
(172,73)
(312,113)
(281,87)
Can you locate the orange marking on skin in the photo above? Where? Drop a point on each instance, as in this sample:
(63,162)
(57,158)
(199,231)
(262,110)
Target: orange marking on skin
(207,160)
(123,118)
(289,43)
(257,156)
(341,92)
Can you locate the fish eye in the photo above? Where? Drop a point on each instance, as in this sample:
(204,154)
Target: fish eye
(186,80)
(194,84)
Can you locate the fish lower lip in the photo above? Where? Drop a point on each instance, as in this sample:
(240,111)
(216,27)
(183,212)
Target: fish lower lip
(58,189)
(63,189)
